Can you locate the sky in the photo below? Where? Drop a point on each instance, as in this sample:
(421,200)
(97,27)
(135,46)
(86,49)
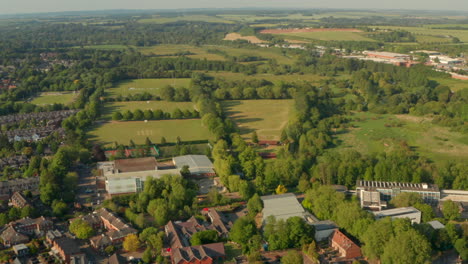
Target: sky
(39,6)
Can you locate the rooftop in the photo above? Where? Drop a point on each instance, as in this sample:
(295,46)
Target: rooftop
(396,212)
(282,206)
(373,185)
(436,224)
(198,164)
(138,164)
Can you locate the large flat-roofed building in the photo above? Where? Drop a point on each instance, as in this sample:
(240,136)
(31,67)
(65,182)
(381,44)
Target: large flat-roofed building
(199,165)
(403,212)
(430,193)
(127,176)
(284,206)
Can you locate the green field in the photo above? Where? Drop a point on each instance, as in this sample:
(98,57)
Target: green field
(151,86)
(198,52)
(123,132)
(270,53)
(267,117)
(454,84)
(370,134)
(48,98)
(437,34)
(195,18)
(112,107)
(106,47)
(327,36)
(312,78)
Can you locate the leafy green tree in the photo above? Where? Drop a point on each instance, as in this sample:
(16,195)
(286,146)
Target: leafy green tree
(127,115)
(375,238)
(163,140)
(110,250)
(138,114)
(450,210)
(116,116)
(323,200)
(406,199)
(167,93)
(158,208)
(243,230)
(292,257)
(204,237)
(81,229)
(407,247)
(255,137)
(461,245)
(148,114)
(59,208)
(254,205)
(427,213)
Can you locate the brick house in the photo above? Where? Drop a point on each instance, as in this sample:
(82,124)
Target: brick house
(345,246)
(18,200)
(204,254)
(68,250)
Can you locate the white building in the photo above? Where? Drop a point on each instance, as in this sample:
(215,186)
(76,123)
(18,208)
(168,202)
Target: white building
(403,212)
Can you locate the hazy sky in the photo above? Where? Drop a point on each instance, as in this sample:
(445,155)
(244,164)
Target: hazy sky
(35,6)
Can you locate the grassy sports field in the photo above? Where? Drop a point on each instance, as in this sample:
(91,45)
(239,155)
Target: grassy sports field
(112,107)
(370,134)
(151,86)
(123,132)
(454,84)
(48,98)
(267,117)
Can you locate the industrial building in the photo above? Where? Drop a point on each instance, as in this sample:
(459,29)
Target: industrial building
(430,193)
(403,212)
(284,206)
(386,55)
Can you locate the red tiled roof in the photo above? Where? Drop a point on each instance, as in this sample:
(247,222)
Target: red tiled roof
(192,254)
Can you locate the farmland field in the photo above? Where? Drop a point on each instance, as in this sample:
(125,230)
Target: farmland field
(48,98)
(106,47)
(123,132)
(454,84)
(172,50)
(151,86)
(372,133)
(437,33)
(270,53)
(233,76)
(237,36)
(327,36)
(266,117)
(112,107)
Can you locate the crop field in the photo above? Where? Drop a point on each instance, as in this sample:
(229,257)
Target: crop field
(270,53)
(196,18)
(267,117)
(106,47)
(165,106)
(151,86)
(237,36)
(376,133)
(123,132)
(254,18)
(48,98)
(454,84)
(173,50)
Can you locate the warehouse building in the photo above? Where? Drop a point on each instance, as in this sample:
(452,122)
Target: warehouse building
(403,212)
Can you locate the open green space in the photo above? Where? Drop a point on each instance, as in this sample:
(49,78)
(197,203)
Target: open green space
(267,117)
(328,36)
(194,52)
(195,18)
(123,132)
(454,84)
(48,98)
(270,53)
(111,107)
(376,133)
(151,86)
(234,76)
(439,34)
(106,47)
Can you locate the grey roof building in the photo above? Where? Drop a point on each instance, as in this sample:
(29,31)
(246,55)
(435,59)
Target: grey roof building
(436,224)
(199,165)
(284,206)
(402,212)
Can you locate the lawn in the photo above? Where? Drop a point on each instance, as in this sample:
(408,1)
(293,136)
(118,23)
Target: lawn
(48,98)
(151,86)
(123,132)
(112,107)
(454,84)
(197,52)
(370,134)
(267,117)
(428,31)
(270,53)
(327,36)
